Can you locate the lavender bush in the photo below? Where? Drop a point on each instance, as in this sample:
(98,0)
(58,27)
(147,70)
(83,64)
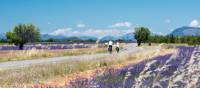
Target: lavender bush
(50,47)
(179,70)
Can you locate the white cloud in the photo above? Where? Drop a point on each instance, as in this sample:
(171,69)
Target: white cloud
(63,31)
(160,33)
(113,31)
(81,25)
(122,24)
(91,32)
(194,23)
(168,21)
(107,32)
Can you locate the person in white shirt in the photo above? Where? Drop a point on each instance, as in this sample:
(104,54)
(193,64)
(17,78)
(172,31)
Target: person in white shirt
(110,43)
(117,47)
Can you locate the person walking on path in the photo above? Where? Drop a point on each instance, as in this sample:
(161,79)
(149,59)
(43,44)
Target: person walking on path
(110,43)
(117,47)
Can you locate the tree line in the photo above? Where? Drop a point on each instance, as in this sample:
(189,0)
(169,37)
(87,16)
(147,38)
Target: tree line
(191,40)
(143,35)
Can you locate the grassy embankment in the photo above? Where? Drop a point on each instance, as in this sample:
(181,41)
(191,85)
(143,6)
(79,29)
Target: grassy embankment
(38,54)
(3,43)
(17,78)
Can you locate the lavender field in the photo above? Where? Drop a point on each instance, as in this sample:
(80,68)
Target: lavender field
(177,70)
(46,46)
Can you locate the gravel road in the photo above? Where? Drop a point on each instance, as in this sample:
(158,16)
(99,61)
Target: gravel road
(130,48)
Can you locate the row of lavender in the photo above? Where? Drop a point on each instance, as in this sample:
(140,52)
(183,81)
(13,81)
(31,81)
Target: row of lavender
(49,47)
(170,71)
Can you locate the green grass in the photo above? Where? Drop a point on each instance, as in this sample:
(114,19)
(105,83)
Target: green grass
(3,43)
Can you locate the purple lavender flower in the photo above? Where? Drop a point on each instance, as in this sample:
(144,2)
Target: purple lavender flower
(156,74)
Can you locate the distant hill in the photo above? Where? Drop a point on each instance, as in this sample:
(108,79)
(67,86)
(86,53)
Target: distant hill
(108,38)
(185,31)
(126,37)
(87,38)
(60,37)
(48,36)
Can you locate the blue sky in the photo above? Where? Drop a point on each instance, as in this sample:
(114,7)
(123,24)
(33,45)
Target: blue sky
(103,17)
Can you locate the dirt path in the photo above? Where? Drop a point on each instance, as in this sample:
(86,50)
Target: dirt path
(130,48)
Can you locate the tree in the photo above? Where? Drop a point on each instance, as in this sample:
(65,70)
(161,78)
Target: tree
(172,38)
(23,33)
(142,34)
(50,40)
(3,41)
